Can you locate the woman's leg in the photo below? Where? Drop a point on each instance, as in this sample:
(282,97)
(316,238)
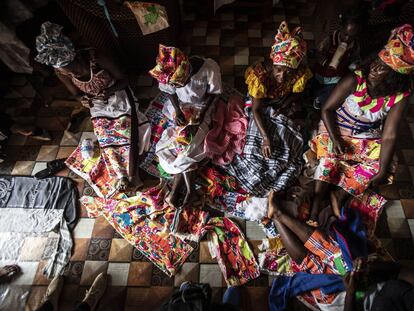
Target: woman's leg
(338,197)
(189,178)
(173,196)
(291,241)
(321,188)
(134,135)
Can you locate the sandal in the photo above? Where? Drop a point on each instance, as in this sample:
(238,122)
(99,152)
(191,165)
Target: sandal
(41,134)
(52,168)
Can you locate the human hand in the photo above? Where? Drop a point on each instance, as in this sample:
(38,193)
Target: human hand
(85,101)
(266,148)
(351,278)
(104,94)
(339,146)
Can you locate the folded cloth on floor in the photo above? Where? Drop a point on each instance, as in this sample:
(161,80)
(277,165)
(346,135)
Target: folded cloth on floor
(145,219)
(31,207)
(285,287)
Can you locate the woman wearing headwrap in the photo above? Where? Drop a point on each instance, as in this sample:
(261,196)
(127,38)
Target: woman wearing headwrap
(99,84)
(360,121)
(271,158)
(190,88)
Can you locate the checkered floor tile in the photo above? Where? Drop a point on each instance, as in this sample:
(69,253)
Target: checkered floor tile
(234,40)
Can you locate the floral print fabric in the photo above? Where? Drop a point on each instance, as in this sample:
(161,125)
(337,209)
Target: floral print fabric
(112,132)
(110,162)
(144,221)
(352,170)
(102,170)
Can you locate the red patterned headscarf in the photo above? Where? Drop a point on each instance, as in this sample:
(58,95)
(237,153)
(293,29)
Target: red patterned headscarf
(398,53)
(173,66)
(289,48)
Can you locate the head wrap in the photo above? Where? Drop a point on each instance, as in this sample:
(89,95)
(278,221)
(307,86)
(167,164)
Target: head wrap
(289,47)
(173,66)
(398,53)
(54,48)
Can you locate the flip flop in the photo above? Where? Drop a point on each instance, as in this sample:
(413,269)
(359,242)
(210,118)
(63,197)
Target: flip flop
(52,168)
(41,134)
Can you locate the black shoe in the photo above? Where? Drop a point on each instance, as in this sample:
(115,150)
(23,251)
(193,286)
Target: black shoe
(52,168)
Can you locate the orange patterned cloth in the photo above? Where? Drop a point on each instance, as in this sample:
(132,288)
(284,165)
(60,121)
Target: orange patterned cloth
(398,53)
(173,66)
(289,48)
(352,170)
(323,253)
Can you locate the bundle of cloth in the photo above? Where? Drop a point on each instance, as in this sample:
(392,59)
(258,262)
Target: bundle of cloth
(30,208)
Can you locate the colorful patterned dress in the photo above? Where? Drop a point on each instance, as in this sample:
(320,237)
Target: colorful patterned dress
(115,127)
(175,149)
(359,120)
(255,173)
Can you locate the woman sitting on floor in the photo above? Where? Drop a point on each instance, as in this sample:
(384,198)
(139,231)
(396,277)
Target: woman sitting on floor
(100,85)
(271,158)
(313,251)
(190,87)
(353,146)
(336,53)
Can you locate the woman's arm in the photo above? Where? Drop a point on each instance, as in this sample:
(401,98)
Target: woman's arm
(179,115)
(121,81)
(257,109)
(68,84)
(350,285)
(322,49)
(344,88)
(80,96)
(211,99)
(388,139)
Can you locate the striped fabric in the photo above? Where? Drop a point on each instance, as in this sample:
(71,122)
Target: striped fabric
(366,102)
(32,207)
(258,175)
(361,115)
(324,255)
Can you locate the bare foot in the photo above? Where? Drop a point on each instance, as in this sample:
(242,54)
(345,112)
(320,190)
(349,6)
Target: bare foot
(313,217)
(123,184)
(8,272)
(313,223)
(337,198)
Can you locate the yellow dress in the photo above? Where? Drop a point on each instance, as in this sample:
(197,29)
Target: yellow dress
(261,85)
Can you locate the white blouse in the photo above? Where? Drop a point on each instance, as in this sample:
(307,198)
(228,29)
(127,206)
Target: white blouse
(206,81)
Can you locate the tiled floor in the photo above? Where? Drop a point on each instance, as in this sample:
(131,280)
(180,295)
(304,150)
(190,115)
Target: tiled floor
(234,40)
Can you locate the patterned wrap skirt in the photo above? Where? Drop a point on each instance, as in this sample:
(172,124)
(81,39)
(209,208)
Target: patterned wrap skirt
(258,175)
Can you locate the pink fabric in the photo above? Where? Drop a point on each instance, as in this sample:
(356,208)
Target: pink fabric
(228,133)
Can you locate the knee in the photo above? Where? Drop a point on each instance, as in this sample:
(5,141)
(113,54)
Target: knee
(320,188)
